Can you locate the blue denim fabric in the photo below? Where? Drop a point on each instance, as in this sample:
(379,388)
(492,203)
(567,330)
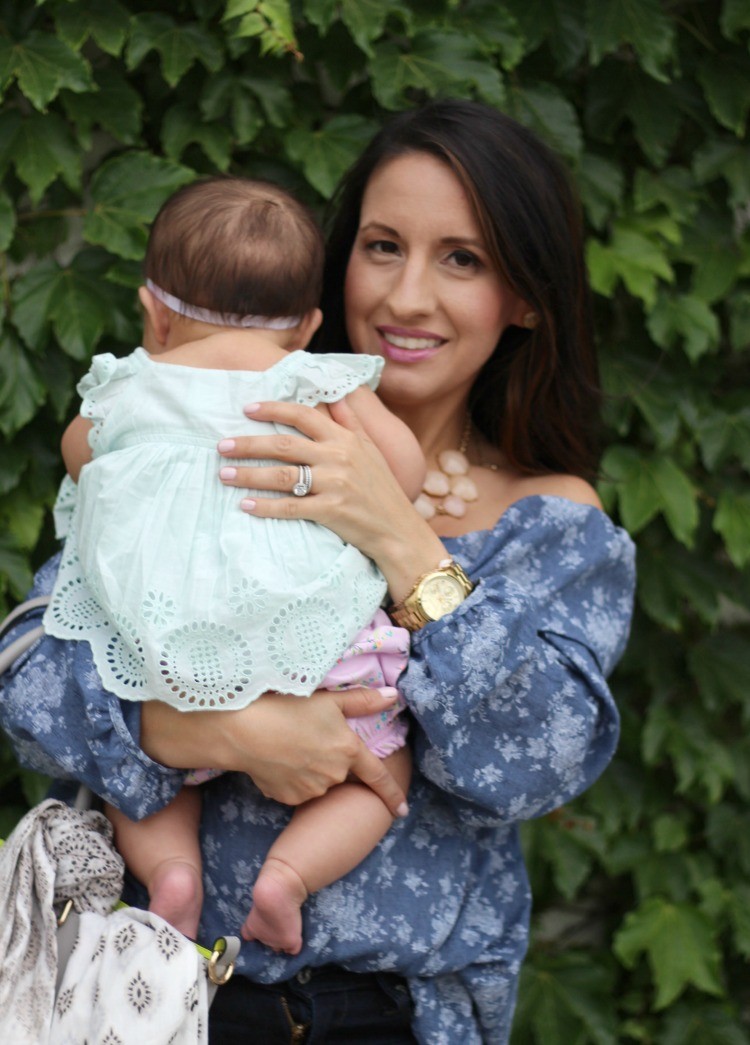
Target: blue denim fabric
(511,718)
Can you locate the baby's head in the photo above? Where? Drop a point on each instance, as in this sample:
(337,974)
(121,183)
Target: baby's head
(226,250)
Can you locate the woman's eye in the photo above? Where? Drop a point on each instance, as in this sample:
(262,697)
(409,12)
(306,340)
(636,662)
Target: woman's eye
(382,246)
(464,259)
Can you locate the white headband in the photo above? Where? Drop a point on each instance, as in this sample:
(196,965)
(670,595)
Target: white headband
(221,319)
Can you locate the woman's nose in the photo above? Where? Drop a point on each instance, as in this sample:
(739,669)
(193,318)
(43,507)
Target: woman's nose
(413,291)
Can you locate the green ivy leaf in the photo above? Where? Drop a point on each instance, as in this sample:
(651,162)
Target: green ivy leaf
(546,110)
(43,148)
(669,580)
(497,29)
(700,1024)
(270,20)
(601,184)
(639,261)
(179,46)
(687,319)
(182,126)
(13,461)
(732,521)
(565,1000)
(437,63)
(225,93)
(723,435)
(728,160)
(14,567)
(365,20)
(739,320)
(670,833)
(680,944)
(21,391)
(42,66)
(126,193)
(649,486)
(107,24)
(641,23)
(69,298)
(735,16)
(115,106)
(327,153)
(7,220)
(726,82)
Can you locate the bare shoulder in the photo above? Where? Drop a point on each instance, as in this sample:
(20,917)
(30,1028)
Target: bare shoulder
(571,487)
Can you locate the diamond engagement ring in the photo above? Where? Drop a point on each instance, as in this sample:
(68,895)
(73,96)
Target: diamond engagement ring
(304,481)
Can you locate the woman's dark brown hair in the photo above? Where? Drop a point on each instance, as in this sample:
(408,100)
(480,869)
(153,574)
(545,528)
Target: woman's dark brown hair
(537,398)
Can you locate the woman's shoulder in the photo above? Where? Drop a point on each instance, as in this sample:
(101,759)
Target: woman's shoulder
(569,487)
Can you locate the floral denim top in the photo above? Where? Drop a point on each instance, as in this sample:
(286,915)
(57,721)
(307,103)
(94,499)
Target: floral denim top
(512,718)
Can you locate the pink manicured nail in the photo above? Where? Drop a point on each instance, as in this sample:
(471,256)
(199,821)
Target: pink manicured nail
(248,505)
(226,445)
(251,408)
(227,473)
(402,810)
(388,692)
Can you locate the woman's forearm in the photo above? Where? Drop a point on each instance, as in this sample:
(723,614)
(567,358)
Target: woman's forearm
(293,748)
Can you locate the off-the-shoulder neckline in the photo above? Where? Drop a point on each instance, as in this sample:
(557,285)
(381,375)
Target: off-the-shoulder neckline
(525,502)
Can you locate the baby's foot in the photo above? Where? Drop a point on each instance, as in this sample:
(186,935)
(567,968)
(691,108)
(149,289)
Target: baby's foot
(176,893)
(276,916)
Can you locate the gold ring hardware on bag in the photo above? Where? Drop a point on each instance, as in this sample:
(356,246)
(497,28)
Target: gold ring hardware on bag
(216,973)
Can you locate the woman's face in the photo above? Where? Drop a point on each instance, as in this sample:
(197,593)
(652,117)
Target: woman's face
(421,290)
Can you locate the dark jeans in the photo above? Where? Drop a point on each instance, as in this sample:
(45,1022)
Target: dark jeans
(316,1007)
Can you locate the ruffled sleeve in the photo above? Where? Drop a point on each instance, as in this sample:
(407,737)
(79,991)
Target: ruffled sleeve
(105,381)
(328,378)
(514,717)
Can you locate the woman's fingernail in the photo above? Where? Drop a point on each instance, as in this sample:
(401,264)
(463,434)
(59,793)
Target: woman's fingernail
(251,408)
(248,505)
(226,445)
(227,473)
(402,810)
(388,692)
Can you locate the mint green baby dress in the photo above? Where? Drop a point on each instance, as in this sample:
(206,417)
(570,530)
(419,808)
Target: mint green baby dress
(184,597)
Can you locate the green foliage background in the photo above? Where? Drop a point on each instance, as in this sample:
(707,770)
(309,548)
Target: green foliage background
(642,923)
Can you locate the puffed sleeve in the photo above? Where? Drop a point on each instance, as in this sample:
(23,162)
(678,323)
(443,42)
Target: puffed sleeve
(514,717)
(62,723)
(329,377)
(104,382)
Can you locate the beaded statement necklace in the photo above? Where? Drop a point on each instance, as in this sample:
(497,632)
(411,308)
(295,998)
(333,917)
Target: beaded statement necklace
(448,490)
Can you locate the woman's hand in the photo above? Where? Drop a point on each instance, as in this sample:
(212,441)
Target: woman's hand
(293,748)
(353,493)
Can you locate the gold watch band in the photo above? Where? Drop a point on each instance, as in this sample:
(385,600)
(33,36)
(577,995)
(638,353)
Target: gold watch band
(433,595)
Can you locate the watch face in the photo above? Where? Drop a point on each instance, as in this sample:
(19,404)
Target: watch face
(440,595)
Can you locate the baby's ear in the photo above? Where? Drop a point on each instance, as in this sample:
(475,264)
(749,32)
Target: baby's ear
(307,327)
(158,317)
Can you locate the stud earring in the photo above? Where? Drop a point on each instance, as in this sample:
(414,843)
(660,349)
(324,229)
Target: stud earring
(530,320)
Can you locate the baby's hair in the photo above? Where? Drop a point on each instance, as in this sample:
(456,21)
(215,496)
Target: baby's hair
(237,246)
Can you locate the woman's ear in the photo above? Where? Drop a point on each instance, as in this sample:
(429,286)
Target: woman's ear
(307,327)
(158,318)
(523,315)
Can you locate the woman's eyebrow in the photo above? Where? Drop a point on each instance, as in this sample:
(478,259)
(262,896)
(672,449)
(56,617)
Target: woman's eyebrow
(376,226)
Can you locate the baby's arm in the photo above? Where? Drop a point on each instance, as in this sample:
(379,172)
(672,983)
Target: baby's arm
(393,438)
(75,446)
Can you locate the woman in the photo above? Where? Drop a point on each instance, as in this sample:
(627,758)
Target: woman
(456,255)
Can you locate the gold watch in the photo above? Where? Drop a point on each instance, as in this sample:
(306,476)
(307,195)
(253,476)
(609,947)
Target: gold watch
(436,594)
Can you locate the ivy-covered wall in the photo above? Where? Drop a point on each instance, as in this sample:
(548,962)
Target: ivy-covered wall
(642,924)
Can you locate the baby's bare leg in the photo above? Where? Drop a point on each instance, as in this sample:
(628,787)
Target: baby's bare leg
(325,839)
(163,852)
